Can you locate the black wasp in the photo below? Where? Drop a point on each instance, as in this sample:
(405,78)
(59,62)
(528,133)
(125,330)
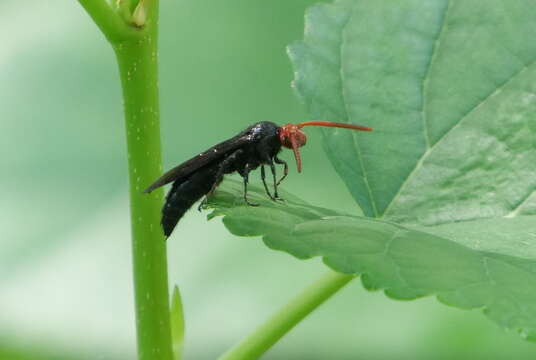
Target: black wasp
(258,145)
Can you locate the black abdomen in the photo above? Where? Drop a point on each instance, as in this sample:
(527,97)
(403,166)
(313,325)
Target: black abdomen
(184,193)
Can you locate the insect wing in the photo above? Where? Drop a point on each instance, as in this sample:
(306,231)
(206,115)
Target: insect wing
(213,154)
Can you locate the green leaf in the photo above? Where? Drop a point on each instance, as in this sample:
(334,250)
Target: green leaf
(488,264)
(177,324)
(449,88)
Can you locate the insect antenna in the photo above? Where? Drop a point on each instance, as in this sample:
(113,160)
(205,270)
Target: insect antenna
(333,124)
(292,137)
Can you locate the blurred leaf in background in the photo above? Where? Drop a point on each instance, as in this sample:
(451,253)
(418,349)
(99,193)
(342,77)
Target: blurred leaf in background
(65,271)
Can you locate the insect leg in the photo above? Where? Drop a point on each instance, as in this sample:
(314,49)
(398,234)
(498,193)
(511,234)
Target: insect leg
(285,171)
(202,204)
(263,177)
(225,166)
(246,180)
(272,167)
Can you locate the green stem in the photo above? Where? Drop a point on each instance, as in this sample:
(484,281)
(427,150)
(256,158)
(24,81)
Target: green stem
(112,26)
(136,49)
(291,314)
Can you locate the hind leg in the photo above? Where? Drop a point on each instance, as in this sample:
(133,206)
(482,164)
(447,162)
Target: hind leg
(204,202)
(225,166)
(285,173)
(285,169)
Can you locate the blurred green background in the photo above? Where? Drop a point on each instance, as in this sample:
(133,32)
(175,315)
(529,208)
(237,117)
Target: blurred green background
(65,282)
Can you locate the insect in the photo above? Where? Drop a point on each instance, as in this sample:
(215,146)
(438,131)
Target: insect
(258,145)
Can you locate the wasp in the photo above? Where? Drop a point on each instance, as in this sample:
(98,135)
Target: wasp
(257,145)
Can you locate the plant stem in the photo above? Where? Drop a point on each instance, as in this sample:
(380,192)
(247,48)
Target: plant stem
(136,49)
(285,319)
(138,68)
(111,25)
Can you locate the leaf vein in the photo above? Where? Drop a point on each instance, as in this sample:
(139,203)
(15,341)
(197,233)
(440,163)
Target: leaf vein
(497,90)
(517,208)
(346,110)
(426,78)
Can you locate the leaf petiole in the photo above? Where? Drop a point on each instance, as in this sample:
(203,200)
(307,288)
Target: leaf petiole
(264,337)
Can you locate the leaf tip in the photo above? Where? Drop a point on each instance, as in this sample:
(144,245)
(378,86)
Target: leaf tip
(177,323)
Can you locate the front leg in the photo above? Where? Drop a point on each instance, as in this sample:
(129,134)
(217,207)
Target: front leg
(245,175)
(285,170)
